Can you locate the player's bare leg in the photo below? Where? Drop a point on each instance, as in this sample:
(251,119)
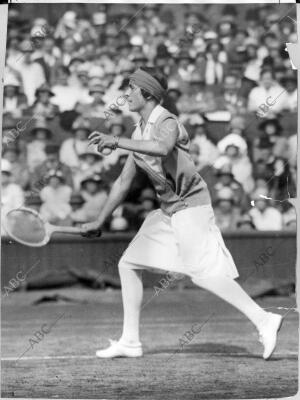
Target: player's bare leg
(267,324)
(132,295)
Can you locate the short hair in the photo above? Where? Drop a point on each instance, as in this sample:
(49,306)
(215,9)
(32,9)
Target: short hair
(159,76)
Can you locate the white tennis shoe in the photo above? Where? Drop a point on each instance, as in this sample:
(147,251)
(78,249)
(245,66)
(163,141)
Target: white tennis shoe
(268,334)
(118,349)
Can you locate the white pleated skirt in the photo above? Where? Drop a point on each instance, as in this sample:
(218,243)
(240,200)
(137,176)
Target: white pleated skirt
(188,242)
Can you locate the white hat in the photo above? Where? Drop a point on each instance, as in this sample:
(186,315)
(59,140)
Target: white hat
(40,22)
(96,71)
(118,224)
(233,139)
(136,40)
(196,119)
(37,32)
(11,80)
(99,18)
(209,35)
(5,166)
(69,19)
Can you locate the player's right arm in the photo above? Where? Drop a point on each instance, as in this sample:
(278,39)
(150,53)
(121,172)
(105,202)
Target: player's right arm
(116,196)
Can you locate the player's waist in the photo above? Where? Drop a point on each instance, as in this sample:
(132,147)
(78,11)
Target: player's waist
(172,203)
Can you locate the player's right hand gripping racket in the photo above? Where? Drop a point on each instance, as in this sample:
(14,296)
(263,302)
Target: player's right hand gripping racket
(27,226)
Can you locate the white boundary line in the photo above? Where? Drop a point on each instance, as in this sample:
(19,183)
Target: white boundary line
(90,357)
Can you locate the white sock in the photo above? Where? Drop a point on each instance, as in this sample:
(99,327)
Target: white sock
(132,295)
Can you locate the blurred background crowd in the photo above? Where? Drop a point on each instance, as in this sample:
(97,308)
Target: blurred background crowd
(230,83)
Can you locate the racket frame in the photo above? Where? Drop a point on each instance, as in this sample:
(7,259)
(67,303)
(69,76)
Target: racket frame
(49,228)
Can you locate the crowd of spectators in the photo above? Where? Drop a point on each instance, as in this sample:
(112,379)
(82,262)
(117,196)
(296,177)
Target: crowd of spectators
(219,70)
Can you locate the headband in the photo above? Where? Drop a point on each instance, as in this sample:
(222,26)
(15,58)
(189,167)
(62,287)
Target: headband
(145,81)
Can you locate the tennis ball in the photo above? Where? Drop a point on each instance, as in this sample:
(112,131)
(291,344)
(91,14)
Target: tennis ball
(106,151)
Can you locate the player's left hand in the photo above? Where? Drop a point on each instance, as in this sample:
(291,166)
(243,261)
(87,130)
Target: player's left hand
(102,140)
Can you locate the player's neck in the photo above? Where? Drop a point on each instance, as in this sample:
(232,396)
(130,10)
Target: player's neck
(146,111)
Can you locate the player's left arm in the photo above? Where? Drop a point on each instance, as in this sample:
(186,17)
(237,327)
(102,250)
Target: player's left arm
(162,144)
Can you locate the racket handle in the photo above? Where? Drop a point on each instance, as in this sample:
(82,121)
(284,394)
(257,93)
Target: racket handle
(65,229)
(73,230)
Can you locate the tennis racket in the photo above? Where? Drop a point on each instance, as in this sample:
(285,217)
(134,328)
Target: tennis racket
(27,226)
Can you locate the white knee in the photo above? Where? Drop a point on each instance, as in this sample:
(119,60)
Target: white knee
(127,267)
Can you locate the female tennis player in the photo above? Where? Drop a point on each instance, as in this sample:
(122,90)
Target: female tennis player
(181,236)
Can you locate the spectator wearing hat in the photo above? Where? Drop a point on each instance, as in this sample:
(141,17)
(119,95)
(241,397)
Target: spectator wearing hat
(174,93)
(245,223)
(185,65)
(19,169)
(163,58)
(68,50)
(12,195)
(14,102)
(13,52)
(253,62)
(139,59)
(264,216)
(272,128)
(236,48)
(231,99)
(253,27)
(75,64)
(83,81)
(208,152)
(124,49)
(225,30)
(268,93)
(79,79)
(225,179)
(56,197)
(94,193)
(96,107)
(46,53)
(275,56)
(289,82)
(263,167)
(43,107)
(197,99)
(67,27)
(125,66)
(31,72)
(233,152)
(72,147)
(226,214)
(66,96)
(215,65)
(289,219)
(90,162)
(35,149)
(51,163)
(233,137)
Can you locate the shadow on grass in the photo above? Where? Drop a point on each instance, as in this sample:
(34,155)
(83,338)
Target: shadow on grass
(217,349)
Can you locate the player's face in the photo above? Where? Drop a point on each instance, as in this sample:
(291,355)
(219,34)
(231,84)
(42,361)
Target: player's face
(134,98)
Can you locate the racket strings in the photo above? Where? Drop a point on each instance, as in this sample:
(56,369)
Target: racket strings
(25,226)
